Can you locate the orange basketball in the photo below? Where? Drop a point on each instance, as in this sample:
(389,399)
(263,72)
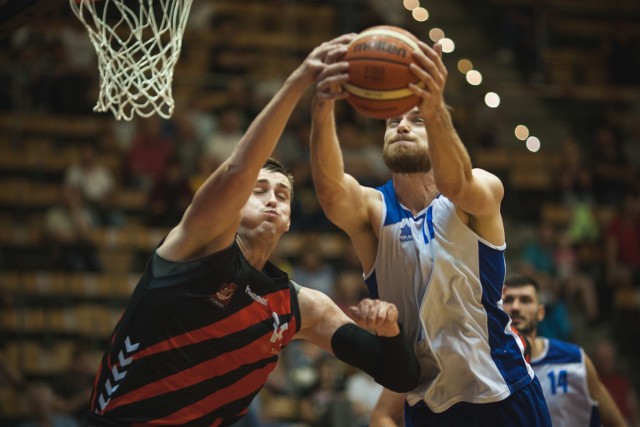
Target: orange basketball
(379,73)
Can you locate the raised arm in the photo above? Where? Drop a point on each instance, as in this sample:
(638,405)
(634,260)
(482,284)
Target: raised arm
(210,222)
(341,196)
(385,355)
(475,191)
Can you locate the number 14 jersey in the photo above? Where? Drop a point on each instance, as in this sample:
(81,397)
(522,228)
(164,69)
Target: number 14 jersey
(562,373)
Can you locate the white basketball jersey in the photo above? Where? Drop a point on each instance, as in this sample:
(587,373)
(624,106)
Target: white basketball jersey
(563,376)
(447,283)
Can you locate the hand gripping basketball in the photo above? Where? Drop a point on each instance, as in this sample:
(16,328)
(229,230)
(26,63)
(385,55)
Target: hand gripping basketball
(379,73)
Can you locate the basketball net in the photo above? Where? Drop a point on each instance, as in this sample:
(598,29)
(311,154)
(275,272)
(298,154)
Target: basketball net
(138,46)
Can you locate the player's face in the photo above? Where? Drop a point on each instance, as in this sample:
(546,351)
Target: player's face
(269,206)
(406,148)
(522,305)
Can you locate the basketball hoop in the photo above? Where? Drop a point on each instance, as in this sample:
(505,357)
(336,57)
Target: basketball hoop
(138,46)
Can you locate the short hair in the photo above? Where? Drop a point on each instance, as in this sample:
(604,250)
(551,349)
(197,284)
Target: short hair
(272,165)
(520,280)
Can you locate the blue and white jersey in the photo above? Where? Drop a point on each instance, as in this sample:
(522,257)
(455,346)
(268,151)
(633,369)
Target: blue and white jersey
(563,376)
(447,284)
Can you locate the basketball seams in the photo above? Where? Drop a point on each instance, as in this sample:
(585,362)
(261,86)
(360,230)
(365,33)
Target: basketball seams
(390,33)
(379,77)
(377,59)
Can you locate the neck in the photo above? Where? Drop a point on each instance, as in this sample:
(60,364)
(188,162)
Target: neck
(257,252)
(415,190)
(537,345)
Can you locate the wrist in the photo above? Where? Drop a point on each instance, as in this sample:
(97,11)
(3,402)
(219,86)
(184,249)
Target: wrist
(438,114)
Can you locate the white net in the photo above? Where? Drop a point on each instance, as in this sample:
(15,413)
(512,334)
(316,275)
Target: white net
(138,45)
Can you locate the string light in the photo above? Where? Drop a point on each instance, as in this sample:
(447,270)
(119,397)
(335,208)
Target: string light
(465,66)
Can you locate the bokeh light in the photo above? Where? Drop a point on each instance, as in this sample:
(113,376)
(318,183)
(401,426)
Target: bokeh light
(522,132)
(411,4)
(533,144)
(448,45)
(435,34)
(464,66)
(492,99)
(420,14)
(474,77)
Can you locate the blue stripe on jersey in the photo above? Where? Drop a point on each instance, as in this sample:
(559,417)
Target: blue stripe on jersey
(372,285)
(429,224)
(561,352)
(394,210)
(492,272)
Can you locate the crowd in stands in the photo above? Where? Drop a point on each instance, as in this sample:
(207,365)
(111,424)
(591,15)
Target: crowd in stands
(583,246)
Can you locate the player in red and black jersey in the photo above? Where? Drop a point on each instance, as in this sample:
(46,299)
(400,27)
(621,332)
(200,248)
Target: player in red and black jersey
(210,315)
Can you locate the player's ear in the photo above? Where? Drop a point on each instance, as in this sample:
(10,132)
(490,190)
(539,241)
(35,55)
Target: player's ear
(541,312)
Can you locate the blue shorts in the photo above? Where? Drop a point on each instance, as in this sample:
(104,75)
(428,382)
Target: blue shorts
(524,408)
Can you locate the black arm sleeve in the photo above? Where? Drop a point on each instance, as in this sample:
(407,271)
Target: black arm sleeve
(389,360)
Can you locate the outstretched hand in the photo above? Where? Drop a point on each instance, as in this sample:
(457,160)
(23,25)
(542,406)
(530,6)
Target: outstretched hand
(328,54)
(430,69)
(376,315)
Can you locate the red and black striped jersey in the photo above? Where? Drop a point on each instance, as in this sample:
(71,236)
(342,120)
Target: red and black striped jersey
(195,347)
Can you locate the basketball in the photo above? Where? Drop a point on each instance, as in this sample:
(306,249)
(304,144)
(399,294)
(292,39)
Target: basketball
(379,73)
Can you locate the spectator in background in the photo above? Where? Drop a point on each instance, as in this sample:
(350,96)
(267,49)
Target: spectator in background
(605,359)
(73,387)
(537,261)
(362,156)
(67,226)
(169,197)
(96,184)
(312,270)
(623,243)
(363,393)
(146,159)
(42,403)
(612,173)
(228,132)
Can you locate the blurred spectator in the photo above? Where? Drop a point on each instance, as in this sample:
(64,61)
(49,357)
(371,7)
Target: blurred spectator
(42,408)
(326,404)
(574,177)
(623,54)
(149,153)
(96,184)
(349,289)
(623,243)
(206,165)
(73,387)
(169,197)
(576,285)
(227,56)
(313,271)
(612,173)
(361,157)
(537,260)
(363,393)
(228,132)
(189,145)
(67,227)
(605,359)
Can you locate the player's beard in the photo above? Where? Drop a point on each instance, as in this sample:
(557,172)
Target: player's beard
(401,159)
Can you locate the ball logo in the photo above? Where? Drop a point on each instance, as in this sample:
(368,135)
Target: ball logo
(222,297)
(380,46)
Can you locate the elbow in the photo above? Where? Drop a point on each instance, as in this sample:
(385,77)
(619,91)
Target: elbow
(401,378)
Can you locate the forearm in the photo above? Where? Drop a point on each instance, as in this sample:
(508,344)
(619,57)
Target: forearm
(389,360)
(327,164)
(449,157)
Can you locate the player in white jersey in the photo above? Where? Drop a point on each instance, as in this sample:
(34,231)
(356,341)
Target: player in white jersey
(574,394)
(432,241)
